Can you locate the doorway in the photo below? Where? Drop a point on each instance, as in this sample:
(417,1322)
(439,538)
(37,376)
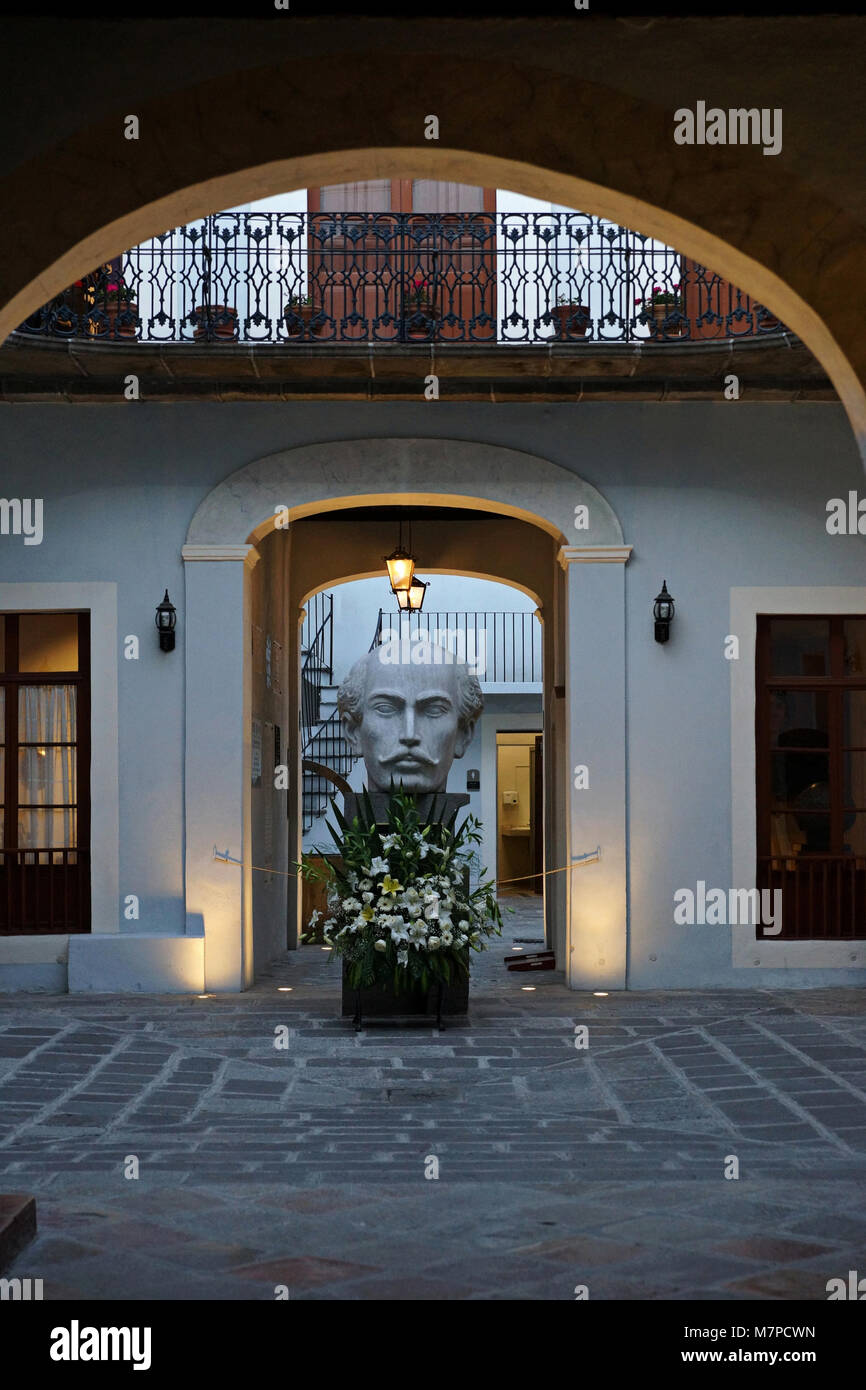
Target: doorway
(519,813)
(395,260)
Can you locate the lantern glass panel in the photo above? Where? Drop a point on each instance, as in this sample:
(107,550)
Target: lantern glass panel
(401,568)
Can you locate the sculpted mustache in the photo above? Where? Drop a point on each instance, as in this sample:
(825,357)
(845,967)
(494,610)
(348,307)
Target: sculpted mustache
(408,756)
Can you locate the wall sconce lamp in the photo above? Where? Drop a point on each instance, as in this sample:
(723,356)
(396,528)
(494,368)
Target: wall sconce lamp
(166,622)
(663,613)
(411,600)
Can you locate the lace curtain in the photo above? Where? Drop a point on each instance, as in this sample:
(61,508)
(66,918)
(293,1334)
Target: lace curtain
(47,791)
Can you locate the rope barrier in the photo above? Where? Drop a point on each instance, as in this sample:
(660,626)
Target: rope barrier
(591,857)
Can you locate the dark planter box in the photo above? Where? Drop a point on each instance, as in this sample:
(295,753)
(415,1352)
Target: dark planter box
(378,1002)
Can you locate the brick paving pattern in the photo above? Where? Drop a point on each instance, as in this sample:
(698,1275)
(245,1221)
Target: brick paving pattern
(304,1165)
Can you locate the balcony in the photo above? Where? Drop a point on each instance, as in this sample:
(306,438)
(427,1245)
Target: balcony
(503,649)
(298,280)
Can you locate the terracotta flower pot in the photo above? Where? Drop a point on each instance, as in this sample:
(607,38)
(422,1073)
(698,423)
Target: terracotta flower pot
(573,320)
(108,326)
(661,313)
(226,331)
(421,323)
(124,330)
(297,320)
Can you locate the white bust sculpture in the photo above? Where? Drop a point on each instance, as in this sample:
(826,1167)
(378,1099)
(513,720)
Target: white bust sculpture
(409,719)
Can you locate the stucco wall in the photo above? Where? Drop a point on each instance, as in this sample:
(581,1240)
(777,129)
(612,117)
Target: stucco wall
(710,496)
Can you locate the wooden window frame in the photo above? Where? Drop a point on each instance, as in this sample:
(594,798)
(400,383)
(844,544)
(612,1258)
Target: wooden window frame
(12,680)
(833,685)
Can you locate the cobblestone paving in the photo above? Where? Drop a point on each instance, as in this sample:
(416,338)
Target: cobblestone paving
(305,1166)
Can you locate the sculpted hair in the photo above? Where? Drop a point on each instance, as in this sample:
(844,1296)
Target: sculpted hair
(470,701)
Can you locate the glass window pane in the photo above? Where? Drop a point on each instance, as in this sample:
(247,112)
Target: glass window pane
(46,775)
(800,833)
(854,718)
(800,647)
(801,780)
(373,195)
(48,642)
(854,834)
(854,780)
(46,829)
(854,631)
(46,714)
(435,195)
(798,719)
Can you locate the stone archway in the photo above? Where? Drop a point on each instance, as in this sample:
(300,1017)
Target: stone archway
(584,670)
(286,114)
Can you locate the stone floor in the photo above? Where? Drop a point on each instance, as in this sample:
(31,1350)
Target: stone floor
(305,1166)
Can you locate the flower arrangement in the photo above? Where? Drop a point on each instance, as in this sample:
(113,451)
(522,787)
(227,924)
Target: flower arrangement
(401,911)
(661,298)
(420,295)
(116,292)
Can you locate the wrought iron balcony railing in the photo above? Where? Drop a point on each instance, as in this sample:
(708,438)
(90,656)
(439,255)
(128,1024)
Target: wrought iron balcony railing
(500,648)
(317,279)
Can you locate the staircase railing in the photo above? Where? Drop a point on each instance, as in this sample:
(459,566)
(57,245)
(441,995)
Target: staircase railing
(317,658)
(323,741)
(326,744)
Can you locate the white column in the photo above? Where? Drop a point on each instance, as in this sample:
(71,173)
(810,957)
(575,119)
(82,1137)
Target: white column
(217,770)
(595,739)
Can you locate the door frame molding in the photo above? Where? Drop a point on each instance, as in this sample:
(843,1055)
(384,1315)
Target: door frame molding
(748,951)
(100,599)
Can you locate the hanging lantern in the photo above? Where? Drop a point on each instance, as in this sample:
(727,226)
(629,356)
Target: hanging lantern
(411,599)
(401,568)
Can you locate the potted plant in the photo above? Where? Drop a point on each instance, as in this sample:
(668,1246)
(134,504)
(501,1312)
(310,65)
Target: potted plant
(402,916)
(663,308)
(571,316)
(297,314)
(217,321)
(115,301)
(421,316)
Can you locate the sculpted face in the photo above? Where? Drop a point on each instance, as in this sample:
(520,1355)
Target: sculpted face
(410,729)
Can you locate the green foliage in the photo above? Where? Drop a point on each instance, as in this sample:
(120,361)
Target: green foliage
(401,910)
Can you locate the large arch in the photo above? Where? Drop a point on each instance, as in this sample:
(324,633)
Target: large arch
(578,568)
(558,98)
(362,472)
